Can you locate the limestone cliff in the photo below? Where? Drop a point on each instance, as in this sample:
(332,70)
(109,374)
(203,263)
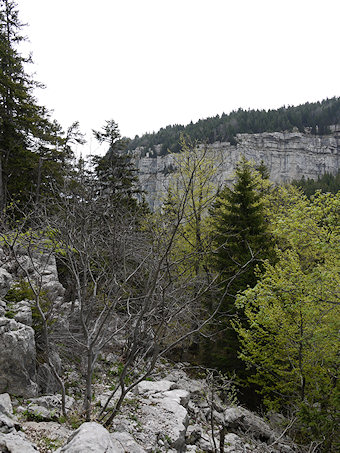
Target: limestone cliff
(287,155)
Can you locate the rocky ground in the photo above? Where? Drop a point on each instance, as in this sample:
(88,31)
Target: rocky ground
(171,412)
(174,414)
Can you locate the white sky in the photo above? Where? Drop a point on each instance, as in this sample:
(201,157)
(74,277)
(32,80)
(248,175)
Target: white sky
(150,63)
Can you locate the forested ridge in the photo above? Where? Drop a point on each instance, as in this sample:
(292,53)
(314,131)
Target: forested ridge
(243,282)
(316,117)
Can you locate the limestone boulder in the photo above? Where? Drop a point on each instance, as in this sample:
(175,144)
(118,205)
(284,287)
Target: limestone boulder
(16,442)
(90,438)
(3,305)
(146,388)
(17,359)
(6,404)
(46,380)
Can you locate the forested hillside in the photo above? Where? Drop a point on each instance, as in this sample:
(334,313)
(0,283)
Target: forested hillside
(315,117)
(97,291)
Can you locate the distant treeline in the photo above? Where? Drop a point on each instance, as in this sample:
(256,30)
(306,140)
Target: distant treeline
(326,183)
(317,116)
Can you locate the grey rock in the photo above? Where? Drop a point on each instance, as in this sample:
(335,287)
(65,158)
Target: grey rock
(234,444)
(205,443)
(180,396)
(151,387)
(241,420)
(40,413)
(163,414)
(48,408)
(7,424)
(17,359)
(6,280)
(193,434)
(23,312)
(16,443)
(126,443)
(3,305)
(90,438)
(192,449)
(6,404)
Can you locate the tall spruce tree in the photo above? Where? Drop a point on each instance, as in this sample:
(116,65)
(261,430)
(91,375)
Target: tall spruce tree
(30,144)
(241,242)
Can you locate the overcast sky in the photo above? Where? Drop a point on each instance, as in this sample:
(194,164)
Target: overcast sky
(150,63)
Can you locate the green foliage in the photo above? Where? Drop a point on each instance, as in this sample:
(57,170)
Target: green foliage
(19,291)
(10,313)
(239,226)
(34,416)
(290,341)
(51,444)
(317,116)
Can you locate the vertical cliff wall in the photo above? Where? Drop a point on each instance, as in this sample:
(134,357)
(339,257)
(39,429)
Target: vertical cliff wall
(287,155)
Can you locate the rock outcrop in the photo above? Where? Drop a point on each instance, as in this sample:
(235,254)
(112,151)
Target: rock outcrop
(17,358)
(176,414)
(12,440)
(20,374)
(287,155)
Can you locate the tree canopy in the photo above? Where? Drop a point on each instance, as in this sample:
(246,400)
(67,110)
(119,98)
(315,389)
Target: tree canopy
(293,314)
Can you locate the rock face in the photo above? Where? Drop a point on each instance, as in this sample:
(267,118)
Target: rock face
(17,358)
(287,155)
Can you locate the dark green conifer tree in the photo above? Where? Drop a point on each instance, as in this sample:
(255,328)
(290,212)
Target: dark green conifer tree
(30,144)
(241,242)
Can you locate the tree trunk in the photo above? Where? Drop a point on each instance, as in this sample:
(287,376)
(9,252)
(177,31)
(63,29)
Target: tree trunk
(2,191)
(37,194)
(88,390)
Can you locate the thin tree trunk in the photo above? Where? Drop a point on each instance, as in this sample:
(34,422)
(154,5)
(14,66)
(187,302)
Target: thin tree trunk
(2,191)
(37,194)
(88,390)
